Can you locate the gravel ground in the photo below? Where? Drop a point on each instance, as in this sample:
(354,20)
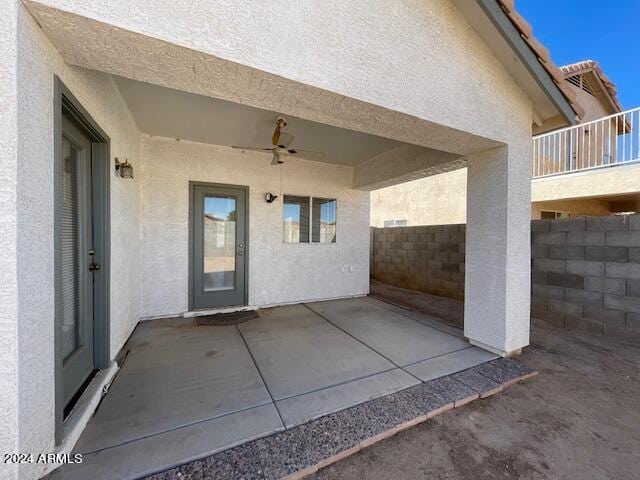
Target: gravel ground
(578,419)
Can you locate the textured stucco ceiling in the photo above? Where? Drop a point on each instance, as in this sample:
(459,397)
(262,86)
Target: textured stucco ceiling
(172,113)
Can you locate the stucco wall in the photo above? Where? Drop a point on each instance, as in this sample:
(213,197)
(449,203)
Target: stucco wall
(416,57)
(579,207)
(38,61)
(437,200)
(8,239)
(278,272)
(619,179)
(441,199)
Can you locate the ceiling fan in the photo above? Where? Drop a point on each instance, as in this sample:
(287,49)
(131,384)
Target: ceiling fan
(281,142)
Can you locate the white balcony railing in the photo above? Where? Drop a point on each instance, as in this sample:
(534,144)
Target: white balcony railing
(606,142)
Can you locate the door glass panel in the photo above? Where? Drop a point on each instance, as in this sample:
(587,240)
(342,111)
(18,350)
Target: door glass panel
(69,251)
(219,243)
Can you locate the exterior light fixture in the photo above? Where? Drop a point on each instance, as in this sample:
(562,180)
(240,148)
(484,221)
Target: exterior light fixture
(270,197)
(124,169)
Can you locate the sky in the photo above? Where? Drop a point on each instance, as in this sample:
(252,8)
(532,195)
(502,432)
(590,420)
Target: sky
(607,31)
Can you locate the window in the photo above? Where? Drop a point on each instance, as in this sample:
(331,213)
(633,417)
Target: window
(301,213)
(547,214)
(295,216)
(323,218)
(395,223)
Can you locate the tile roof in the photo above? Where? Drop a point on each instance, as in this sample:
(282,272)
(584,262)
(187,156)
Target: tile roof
(556,74)
(592,66)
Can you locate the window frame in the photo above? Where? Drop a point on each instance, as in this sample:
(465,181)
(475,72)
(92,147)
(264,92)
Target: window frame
(311,199)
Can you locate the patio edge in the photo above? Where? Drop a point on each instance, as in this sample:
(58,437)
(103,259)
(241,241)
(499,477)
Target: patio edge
(302,450)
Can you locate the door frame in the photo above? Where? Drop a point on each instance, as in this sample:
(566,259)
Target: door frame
(193,184)
(64,100)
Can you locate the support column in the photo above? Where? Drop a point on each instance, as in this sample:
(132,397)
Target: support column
(498,261)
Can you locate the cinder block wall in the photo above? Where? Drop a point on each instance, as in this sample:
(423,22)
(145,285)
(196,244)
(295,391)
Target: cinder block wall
(585,271)
(425,258)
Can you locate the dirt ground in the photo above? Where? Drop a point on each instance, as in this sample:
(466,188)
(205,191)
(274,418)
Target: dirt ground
(578,419)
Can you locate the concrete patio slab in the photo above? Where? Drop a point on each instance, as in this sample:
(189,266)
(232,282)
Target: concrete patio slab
(450,363)
(299,352)
(186,392)
(175,374)
(153,454)
(302,408)
(397,337)
(303,449)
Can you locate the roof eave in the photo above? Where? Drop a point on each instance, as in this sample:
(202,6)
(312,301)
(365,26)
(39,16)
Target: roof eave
(529,59)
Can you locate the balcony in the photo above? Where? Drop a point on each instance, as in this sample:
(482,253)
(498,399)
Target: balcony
(607,142)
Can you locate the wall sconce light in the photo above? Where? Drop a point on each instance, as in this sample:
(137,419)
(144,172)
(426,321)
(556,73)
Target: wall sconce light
(124,169)
(270,197)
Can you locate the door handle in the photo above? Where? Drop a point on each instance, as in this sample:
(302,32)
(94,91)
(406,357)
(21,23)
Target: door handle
(94,267)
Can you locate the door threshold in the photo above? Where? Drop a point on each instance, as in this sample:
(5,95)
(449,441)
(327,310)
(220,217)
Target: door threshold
(212,311)
(82,412)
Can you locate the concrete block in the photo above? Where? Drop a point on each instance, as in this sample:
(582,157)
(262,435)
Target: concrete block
(568,225)
(634,222)
(573,252)
(634,254)
(548,265)
(623,239)
(547,291)
(538,303)
(539,251)
(602,315)
(553,318)
(540,226)
(585,238)
(616,286)
(569,280)
(623,270)
(538,277)
(442,237)
(623,303)
(633,288)
(622,333)
(565,308)
(584,297)
(606,253)
(632,320)
(584,267)
(584,325)
(449,247)
(607,224)
(549,238)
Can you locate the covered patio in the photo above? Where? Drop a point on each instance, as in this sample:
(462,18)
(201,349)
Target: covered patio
(186,391)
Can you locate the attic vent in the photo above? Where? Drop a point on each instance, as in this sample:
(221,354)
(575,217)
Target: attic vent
(582,83)
(587,87)
(575,80)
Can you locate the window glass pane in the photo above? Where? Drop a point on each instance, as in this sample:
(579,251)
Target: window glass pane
(219,269)
(324,220)
(401,223)
(70,267)
(295,219)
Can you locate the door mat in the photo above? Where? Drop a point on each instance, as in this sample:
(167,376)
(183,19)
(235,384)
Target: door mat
(226,319)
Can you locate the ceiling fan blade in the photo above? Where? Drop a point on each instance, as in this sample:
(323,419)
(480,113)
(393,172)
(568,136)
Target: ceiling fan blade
(285,140)
(305,153)
(275,138)
(276,159)
(253,149)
